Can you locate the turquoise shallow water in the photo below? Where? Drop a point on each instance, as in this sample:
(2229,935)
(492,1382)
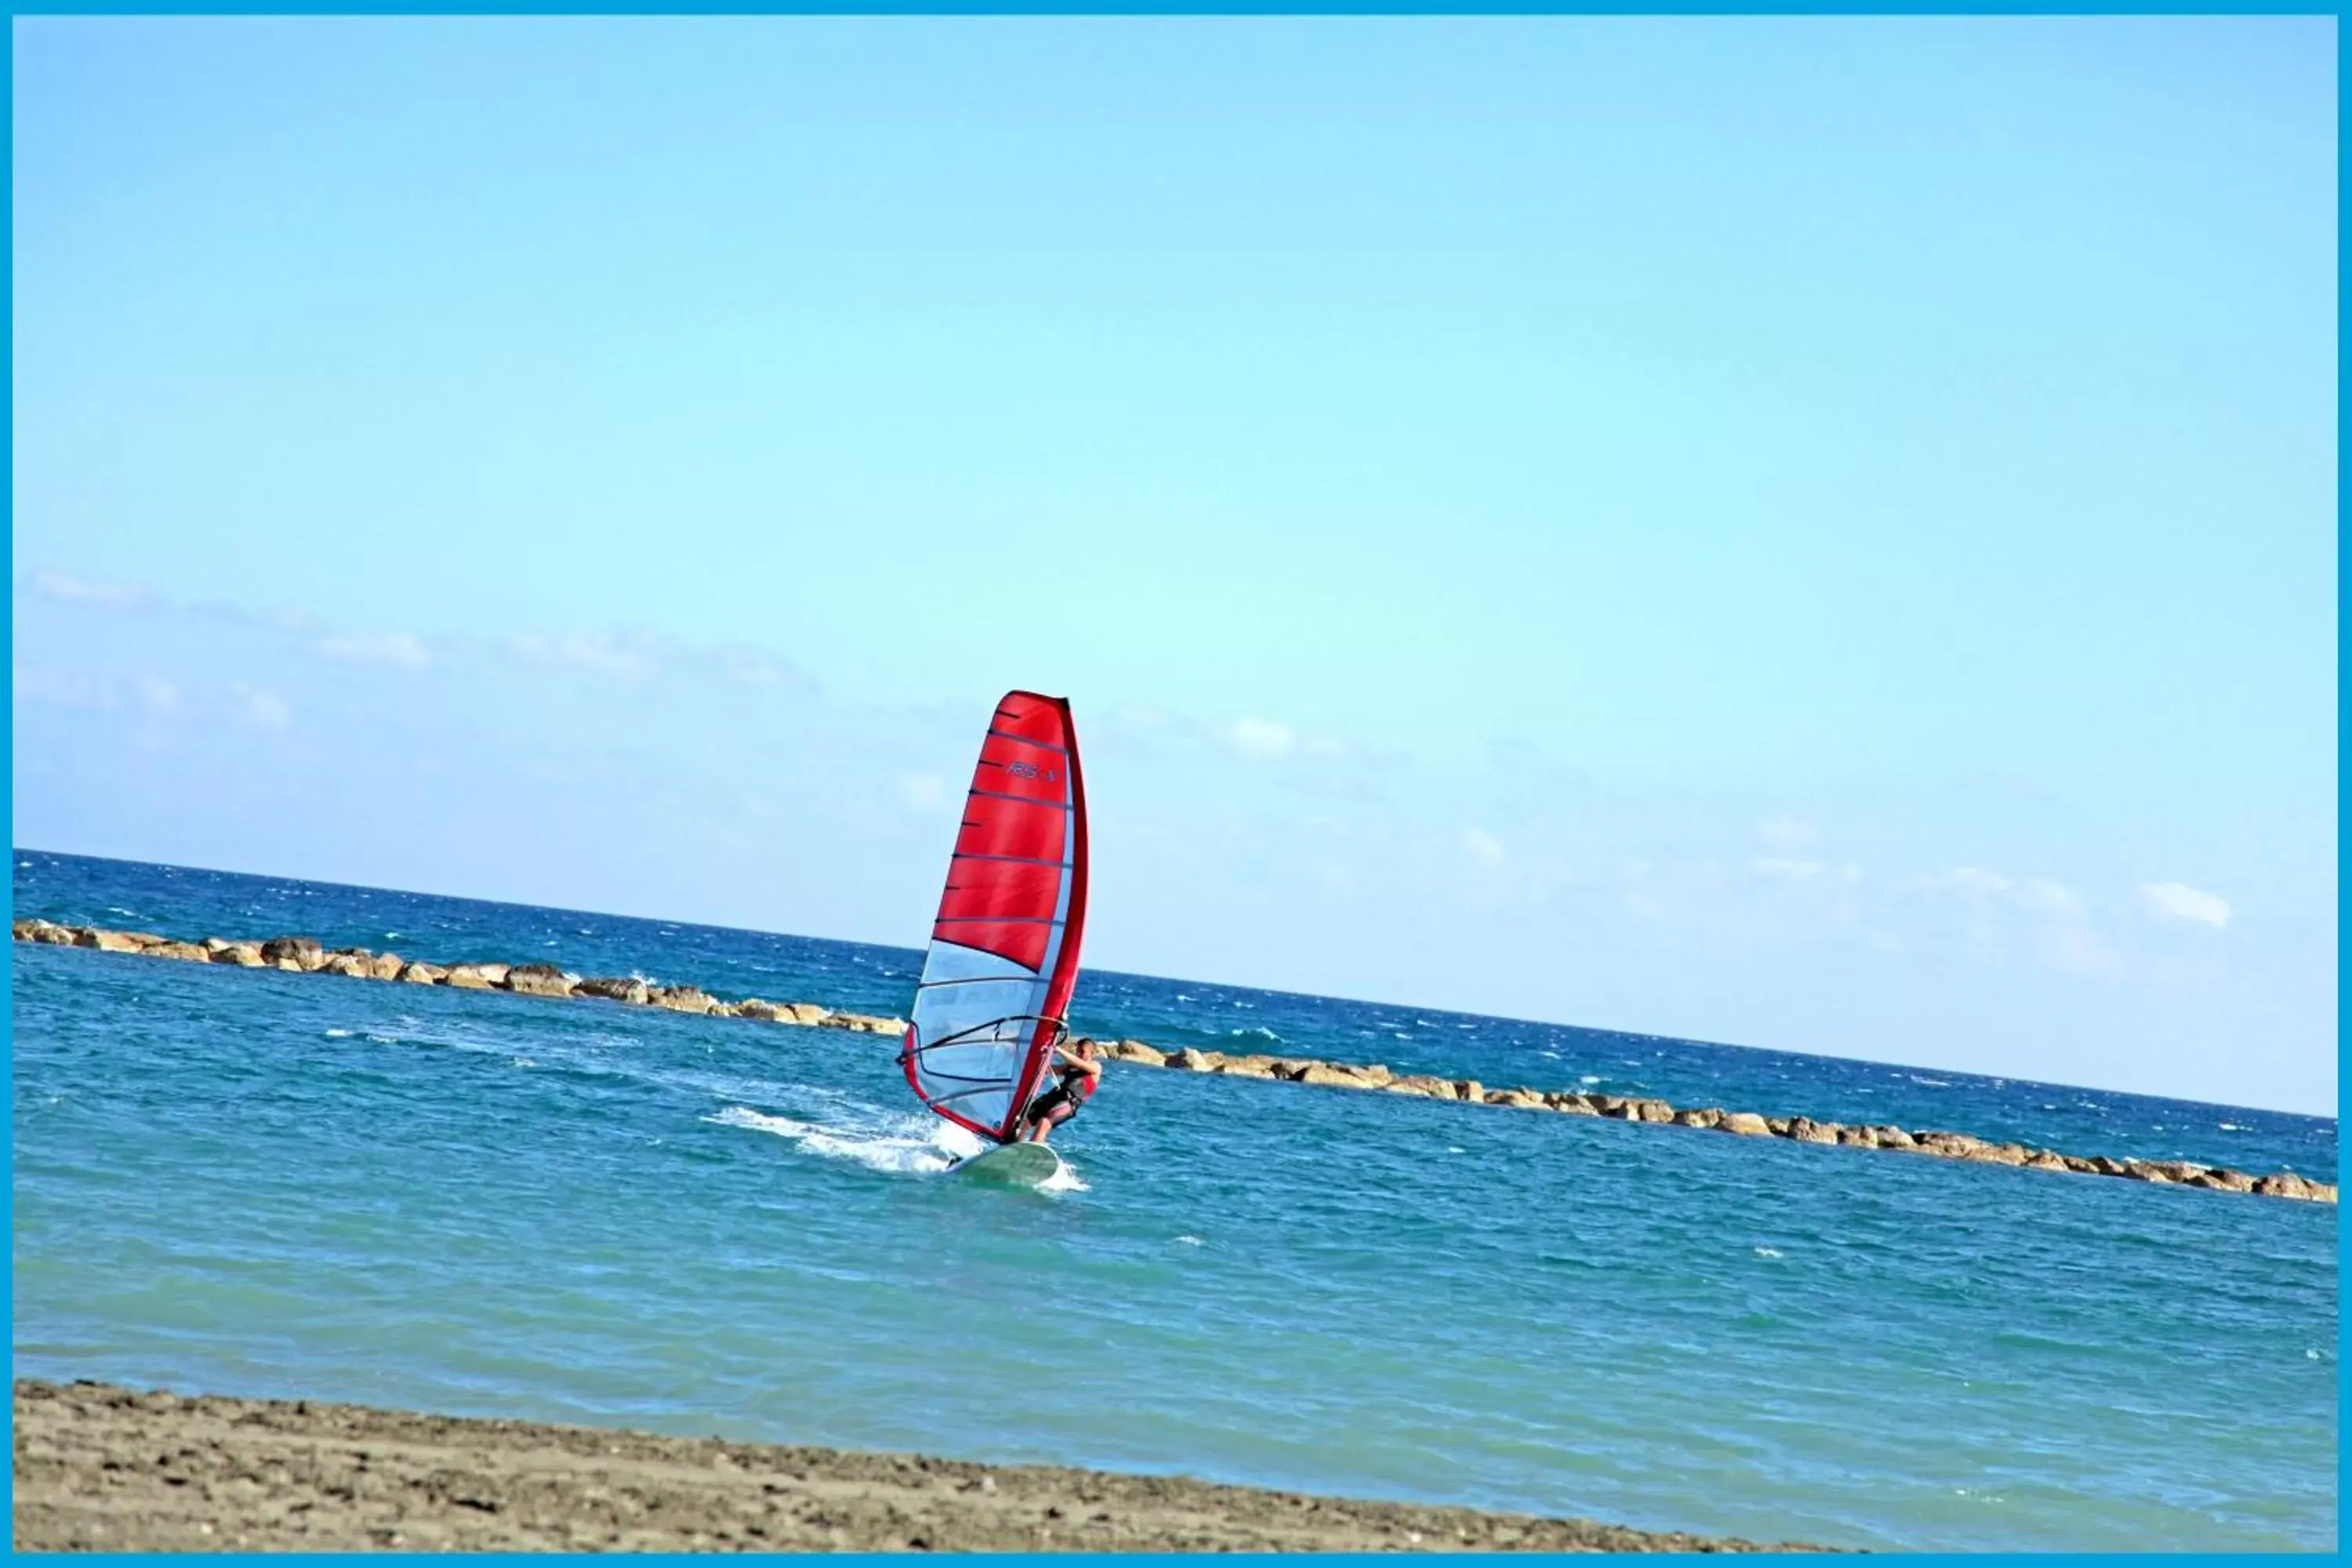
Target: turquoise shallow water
(248,1182)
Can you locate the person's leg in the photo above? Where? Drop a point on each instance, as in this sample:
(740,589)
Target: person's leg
(1053,1114)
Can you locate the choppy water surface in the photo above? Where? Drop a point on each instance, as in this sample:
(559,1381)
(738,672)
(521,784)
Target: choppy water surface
(248,1182)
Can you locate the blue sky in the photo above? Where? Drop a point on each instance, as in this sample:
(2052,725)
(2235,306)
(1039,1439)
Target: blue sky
(1816,533)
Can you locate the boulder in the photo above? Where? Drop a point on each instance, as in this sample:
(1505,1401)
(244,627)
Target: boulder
(1777,1125)
(1422,1084)
(2148,1171)
(1328,1073)
(301,952)
(1469,1088)
(51,934)
(1187,1059)
(619,988)
(1247,1066)
(1999,1154)
(385,966)
(864,1023)
(2104,1167)
(1611,1105)
(2223,1181)
(1948,1145)
(1746,1124)
(1133,1051)
(1702,1116)
(1375,1075)
(539,980)
(108,940)
(185,951)
(2283,1184)
(2321,1192)
(346,964)
(690,999)
(1656,1111)
(2044,1160)
(476,976)
(244,954)
(807,1014)
(2079,1165)
(413,973)
(724,1010)
(1891,1137)
(1858,1137)
(1805,1130)
(1519,1099)
(22,929)
(752,1007)
(1569,1102)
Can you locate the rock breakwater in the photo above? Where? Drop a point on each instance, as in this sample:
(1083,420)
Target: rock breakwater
(306,955)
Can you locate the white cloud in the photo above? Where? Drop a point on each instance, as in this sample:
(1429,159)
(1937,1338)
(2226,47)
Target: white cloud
(1481,847)
(159,696)
(402,650)
(1970,879)
(926,794)
(2048,898)
(1261,738)
(263,711)
(1787,833)
(74,590)
(747,665)
(2179,901)
(1787,869)
(625,658)
(2055,918)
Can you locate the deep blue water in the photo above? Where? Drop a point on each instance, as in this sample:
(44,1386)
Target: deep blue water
(251,1182)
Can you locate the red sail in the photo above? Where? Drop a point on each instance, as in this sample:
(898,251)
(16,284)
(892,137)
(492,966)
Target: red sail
(1004,947)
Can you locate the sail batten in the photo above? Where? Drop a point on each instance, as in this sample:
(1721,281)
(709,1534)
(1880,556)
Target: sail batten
(1004,943)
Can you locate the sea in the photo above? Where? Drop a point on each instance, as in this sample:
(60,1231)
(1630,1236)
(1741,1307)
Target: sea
(299,1186)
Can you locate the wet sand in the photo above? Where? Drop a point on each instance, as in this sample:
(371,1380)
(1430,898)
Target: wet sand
(105,1468)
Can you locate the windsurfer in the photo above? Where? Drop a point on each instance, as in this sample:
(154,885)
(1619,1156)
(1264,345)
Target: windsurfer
(1081,1075)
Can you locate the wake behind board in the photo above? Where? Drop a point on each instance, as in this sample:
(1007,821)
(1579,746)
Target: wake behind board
(1012,1165)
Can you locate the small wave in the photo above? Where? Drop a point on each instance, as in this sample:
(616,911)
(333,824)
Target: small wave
(1553,1055)
(1767,1252)
(1455,1149)
(898,1145)
(127,915)
(1260,1030)
(341,1034)
(1590,1078)
(2231,1127)
(1188,1241)
(1930,1082)
(1182,997)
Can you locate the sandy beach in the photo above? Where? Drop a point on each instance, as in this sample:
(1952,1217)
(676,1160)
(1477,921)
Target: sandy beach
(112,1469)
